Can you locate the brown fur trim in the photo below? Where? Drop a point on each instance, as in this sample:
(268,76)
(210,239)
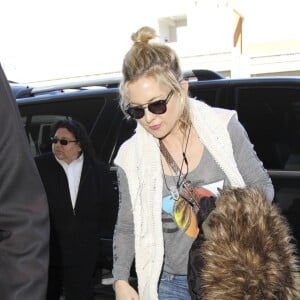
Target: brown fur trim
(248,251)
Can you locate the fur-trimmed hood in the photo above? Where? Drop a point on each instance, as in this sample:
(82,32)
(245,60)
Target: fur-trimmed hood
(246,251)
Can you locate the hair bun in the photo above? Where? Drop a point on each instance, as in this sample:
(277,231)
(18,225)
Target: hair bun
(144,35)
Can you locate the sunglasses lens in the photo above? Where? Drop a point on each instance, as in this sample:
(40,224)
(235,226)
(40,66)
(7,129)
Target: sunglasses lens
(136,112)
(64,142)
(158,107)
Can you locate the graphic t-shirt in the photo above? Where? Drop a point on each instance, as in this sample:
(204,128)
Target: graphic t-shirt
(180,226)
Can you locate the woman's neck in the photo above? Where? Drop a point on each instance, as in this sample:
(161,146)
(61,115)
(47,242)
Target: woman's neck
(175,138)
(183,146)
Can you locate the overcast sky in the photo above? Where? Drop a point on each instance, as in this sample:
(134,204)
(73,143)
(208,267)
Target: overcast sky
(43,39)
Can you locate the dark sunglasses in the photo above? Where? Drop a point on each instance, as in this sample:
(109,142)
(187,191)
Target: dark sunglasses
(63,142)
(157,107)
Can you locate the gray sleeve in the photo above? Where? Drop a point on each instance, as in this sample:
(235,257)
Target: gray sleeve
(123,242)
(249,165)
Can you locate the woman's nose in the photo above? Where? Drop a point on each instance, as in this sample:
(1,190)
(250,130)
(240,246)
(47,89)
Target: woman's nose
(149,116)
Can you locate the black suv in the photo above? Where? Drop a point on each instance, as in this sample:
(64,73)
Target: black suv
(269,109)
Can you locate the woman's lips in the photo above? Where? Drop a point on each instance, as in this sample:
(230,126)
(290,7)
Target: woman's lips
(154,127)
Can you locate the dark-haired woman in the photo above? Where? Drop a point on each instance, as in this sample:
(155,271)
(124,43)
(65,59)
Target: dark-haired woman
(79,191)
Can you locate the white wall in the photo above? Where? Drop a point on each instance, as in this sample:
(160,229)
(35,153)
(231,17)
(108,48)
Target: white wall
(68,38)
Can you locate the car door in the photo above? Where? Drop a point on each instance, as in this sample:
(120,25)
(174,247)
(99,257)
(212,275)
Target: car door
(271,116)
(99,112)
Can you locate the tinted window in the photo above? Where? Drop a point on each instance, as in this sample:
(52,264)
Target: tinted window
(272,119)
(38,130)
(102,118)
(209,95)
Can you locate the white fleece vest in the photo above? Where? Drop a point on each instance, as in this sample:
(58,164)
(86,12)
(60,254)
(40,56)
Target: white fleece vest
(139,157)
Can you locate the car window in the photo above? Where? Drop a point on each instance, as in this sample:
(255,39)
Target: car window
(271,117)
(38,130)
(209,95)
(102,118)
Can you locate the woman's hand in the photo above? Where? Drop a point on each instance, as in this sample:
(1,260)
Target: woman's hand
(124,291)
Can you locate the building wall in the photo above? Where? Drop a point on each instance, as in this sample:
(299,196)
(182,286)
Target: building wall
(66,39)
(238,38)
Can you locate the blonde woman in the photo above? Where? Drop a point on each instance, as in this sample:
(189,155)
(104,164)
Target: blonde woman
(182,150)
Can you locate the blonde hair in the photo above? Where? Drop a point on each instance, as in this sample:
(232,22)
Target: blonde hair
(153,59)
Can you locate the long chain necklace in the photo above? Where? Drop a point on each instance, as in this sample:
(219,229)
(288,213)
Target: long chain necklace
(174,189)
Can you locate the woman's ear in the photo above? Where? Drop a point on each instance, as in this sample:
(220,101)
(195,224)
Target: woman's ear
(184,85)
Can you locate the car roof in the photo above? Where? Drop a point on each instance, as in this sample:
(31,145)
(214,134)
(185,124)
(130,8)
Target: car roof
(104,83)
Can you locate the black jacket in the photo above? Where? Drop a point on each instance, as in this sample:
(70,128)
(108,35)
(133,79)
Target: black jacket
(75,233)
(24,221)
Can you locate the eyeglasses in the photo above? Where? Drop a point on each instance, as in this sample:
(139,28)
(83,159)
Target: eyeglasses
(63,142)
(157,107)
